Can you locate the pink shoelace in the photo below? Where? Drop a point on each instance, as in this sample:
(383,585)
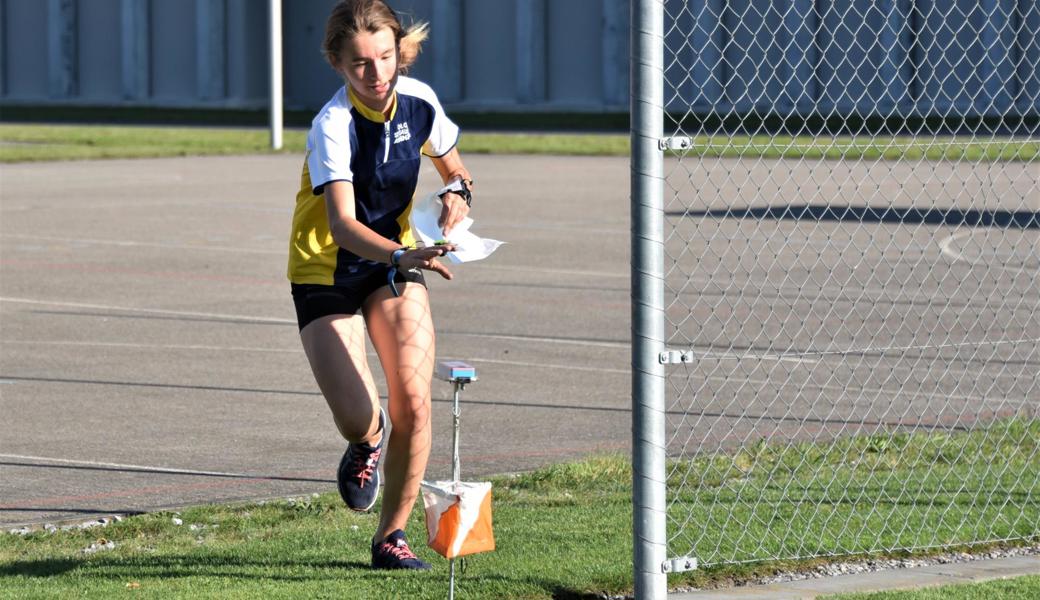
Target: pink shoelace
(400,551)
(366,466)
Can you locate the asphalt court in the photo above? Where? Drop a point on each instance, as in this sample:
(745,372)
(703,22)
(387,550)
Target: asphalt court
(149,356)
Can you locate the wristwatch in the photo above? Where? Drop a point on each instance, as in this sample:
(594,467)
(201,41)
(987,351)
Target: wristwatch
(460,187)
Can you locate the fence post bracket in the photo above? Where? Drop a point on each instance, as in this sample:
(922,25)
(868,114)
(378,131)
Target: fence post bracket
(674,357)
(677,143)
(679,565)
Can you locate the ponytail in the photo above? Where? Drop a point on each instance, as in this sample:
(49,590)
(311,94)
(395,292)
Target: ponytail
(410,45)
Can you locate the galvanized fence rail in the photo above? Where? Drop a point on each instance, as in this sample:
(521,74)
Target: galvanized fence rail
(836,278)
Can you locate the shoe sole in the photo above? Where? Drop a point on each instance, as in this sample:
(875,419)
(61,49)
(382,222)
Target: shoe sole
(425,567)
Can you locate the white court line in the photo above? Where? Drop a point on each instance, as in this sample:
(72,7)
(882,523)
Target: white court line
(518,363)
(571,272)
(126,466)
(626,346)
(154,311)
(286,351)
(883,349)
(721,379)
(152,346)
(946,248)
(132,244)
(800,357)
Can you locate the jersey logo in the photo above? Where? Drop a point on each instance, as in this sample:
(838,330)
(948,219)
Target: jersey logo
(402,134)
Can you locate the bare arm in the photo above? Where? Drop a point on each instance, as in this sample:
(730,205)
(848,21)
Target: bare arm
(352,235)
(455,208)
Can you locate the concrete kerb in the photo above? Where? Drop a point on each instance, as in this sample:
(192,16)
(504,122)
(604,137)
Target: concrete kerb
(892,579)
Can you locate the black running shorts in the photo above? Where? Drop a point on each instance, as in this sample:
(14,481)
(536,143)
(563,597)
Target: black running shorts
(316,301)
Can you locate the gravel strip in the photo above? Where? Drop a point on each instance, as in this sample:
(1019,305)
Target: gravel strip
(874,565)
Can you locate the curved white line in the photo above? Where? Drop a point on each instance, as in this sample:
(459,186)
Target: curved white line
(946,248)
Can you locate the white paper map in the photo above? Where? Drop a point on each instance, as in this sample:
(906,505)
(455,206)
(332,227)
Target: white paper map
(468,246)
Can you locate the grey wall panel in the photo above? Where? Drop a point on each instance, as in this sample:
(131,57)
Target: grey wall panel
(135,49)
(575,45)
(211,33)
(447,51)
(753,55)
(489,67)
(935,57)
(3,48)
(615,47)
(694,70)
(414,12)
(531,51)
(1027,56)
(100,59)
(801,56)
(957,54)
(62,48)
(26,50)
(173,52)
(862,47)
(247,53)
(309,80)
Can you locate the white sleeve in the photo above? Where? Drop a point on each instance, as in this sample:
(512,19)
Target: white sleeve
(444,134)
(328,152)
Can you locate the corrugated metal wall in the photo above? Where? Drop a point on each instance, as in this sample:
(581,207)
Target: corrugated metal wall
(782,56)
(905,57)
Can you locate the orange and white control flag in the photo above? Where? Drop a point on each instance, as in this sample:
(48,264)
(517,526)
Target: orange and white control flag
(458,517)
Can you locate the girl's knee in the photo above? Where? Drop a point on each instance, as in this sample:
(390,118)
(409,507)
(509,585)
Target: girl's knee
(413,413)
(357,427)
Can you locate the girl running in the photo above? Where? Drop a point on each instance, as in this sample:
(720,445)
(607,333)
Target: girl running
(353,263)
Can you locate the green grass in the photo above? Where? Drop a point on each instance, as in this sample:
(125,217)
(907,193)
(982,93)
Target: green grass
(1019,588)
(565,531)
(857,495)
(22,143)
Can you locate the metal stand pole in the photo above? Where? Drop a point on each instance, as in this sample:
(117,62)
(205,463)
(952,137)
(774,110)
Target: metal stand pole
(456,470)
(459,374)
(456,467)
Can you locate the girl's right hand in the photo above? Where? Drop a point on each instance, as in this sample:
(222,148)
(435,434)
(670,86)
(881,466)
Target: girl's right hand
(426,258)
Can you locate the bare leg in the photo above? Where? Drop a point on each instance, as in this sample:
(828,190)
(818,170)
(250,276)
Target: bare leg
(335,347)
(402,333)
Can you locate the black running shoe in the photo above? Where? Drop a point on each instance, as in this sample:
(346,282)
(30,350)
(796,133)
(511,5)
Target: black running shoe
(394,553)
(358,473)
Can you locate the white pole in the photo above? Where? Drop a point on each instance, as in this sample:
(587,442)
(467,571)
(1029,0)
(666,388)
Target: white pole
(275,10)
(456,471)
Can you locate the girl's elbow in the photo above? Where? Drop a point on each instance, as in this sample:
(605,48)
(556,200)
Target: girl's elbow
(341,236)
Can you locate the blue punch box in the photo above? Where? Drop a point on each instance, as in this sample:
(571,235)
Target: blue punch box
(455,370)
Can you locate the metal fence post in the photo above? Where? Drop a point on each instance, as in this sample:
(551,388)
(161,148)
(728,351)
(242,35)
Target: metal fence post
(648,424)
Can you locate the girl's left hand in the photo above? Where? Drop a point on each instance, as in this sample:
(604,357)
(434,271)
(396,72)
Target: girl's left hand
(426,258)
(453,212)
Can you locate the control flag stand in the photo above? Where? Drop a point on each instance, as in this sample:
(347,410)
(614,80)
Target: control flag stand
(458,513)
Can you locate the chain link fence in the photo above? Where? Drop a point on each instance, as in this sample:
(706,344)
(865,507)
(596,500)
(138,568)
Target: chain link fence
(851,276)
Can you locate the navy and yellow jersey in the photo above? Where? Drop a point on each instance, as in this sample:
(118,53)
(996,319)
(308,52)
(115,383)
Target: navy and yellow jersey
(380,157)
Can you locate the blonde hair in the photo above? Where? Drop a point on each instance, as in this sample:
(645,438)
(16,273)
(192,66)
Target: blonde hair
(351,17)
